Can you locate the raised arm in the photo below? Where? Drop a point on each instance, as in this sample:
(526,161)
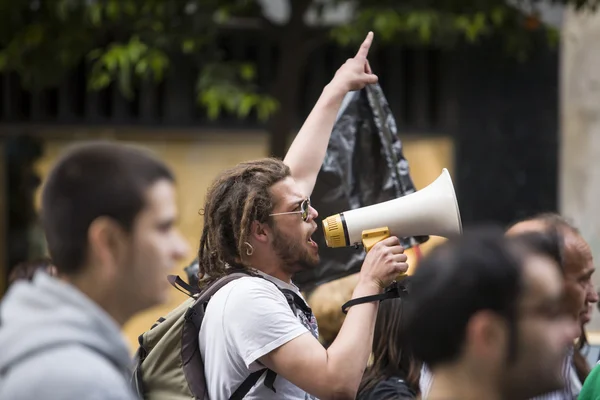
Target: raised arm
(307,152)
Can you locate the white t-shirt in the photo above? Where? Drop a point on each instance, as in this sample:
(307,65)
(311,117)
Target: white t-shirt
(245,320)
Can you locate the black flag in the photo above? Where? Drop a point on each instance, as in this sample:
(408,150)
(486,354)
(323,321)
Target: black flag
(364,165)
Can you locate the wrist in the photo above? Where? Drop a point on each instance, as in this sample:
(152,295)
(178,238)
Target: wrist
(334,91)
(368,287)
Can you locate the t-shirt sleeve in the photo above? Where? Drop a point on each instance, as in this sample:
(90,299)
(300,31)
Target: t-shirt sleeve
(258,319)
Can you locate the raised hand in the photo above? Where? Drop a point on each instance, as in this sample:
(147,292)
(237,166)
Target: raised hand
(356,73)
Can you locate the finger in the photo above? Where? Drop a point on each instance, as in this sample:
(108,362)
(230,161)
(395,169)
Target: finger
(391,241)
(397,249)
(368,68)
(371,78)
(400,258)
(401,268)
(363,51)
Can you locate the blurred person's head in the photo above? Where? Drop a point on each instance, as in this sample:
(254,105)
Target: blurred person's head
(488,308)
(109,216)
(577,261)
(24,271)
(391,355)
(256,216)
(577,266)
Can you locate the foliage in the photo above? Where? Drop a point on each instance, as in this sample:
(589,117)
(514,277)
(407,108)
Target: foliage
(127,41)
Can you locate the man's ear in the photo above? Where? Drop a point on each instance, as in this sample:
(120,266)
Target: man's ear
(107,241)
(260,232)
(487,334)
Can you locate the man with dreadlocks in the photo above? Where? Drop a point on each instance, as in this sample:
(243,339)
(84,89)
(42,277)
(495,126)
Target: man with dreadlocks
(258,218)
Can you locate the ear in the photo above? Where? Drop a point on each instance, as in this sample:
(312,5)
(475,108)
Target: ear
(260,232)
(487,335)
(107,241)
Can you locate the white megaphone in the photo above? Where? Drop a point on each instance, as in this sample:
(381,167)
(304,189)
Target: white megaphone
(432,210)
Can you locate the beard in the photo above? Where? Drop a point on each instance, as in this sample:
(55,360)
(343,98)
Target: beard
(293,252)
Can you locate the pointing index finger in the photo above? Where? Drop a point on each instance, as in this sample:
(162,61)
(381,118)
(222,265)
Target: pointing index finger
(363,51)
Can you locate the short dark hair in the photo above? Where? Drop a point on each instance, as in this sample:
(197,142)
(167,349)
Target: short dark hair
(482,270)
(89,181)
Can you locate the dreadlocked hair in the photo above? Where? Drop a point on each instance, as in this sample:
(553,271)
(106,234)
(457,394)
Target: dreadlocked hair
(238,197)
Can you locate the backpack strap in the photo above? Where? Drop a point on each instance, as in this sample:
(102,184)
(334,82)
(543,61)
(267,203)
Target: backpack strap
(250,381)
(295,302)
(270,380)
(179,283)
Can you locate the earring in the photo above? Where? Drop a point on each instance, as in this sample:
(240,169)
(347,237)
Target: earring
(250,249)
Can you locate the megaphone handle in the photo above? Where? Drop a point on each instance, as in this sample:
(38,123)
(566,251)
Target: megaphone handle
(371,237)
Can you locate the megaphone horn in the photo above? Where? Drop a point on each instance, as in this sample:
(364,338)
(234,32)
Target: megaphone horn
(432,210)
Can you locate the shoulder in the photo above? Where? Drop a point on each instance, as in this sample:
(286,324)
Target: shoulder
(72,371)
(248,290)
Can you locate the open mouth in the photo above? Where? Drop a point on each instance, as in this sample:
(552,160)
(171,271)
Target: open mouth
(311,241)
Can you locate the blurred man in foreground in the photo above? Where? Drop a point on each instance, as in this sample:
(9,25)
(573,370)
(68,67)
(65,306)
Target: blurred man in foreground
(109,217)
(486,316)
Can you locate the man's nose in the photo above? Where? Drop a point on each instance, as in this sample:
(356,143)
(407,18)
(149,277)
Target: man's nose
(313,212)
(591,294)
(182,247)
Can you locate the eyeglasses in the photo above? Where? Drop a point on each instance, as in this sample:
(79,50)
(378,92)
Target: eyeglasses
(304,208)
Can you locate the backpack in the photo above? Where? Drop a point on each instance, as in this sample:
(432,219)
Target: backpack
(169,363)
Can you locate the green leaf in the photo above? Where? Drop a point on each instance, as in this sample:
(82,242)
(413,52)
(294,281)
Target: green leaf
(158,64)
(246,105)
(99,81)
(95,14)
(209,99)
(188,46)
(136,48)
(498,15)
(247,72)
(221,16)
(113,10)
(266,108)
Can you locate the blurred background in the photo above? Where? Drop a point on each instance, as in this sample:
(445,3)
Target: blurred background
(505,94)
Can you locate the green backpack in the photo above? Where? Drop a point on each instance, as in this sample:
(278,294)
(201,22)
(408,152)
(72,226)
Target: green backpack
(169,363)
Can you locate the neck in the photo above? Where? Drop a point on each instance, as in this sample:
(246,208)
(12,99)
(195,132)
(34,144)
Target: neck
(269,267)
(455,383)
(96,292)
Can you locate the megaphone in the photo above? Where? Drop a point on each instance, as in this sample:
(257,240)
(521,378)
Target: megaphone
(432,210)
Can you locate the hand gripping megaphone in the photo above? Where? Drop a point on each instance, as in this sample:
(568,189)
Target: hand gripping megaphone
(432,210)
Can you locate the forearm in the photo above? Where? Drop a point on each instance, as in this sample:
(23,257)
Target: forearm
(307,152)
(349,353)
